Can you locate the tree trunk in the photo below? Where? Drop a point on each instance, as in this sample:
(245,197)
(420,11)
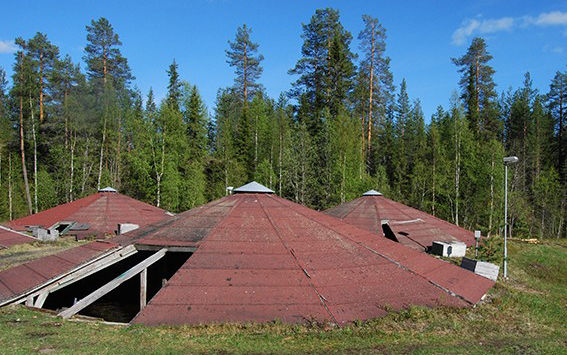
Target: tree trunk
(101,153)
(477,93)
(85,172)
(245,78)
(271,161)
(65,114)
(371,96)
(343,182)
(72,170)
(561,218)
(490,217)
(10,208)
(561,164)
(34,157)
(433,187)
(159,174)
(457,170)
(255,142)
(23,156)
(40,88)
(104,66)
(117,179)
(362,169)
(280,163)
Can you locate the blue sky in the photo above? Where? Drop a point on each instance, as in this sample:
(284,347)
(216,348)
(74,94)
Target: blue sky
(422,37)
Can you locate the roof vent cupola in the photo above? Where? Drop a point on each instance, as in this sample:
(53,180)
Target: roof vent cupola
(253,188)
(372,193)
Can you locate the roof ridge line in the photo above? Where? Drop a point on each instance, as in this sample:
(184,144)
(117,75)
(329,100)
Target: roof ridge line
(164,246)
(177,217)
(379,216)
(322,299)
(213,229)
(168,221)
(355,207)
(392,260)
(393,203)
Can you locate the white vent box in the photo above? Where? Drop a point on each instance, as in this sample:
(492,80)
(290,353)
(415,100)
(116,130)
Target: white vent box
(127,227)
(482,268)
(453,249)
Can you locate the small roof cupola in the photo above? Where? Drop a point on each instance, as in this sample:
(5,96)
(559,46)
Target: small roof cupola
(107,189)
(372,193)
(253,188)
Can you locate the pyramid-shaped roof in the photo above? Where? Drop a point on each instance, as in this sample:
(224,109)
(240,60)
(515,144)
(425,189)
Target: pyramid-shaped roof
(10,237)
(411,227)
(96,215)
(260,257)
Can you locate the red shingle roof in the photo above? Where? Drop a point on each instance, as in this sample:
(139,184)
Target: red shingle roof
(261,257)
(412,227)
(102,211)
(9,237)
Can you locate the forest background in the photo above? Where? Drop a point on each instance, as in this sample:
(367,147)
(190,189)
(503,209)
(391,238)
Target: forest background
(69,128)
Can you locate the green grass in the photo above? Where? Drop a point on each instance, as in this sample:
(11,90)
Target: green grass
(525,315)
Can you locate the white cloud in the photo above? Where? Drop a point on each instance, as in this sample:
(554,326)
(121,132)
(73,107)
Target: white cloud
(479,25)
(554,18)
(553,49)
(7,46)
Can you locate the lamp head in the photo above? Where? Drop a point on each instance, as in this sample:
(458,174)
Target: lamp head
(511,160)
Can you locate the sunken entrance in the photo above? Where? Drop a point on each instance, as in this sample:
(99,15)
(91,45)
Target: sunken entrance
(114,299)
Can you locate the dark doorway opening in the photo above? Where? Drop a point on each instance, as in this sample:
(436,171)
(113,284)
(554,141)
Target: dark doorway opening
(389,233)
(122,303)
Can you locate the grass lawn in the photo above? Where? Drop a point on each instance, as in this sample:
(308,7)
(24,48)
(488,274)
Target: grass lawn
(527,314)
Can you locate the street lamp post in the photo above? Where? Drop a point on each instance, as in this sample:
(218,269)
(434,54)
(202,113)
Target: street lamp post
(507,161)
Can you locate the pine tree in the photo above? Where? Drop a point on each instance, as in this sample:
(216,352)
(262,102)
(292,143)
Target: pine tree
(174,87)
(196,119)
(517,126)
(243,56)
(557,101)
(400,152)
(326,70)
(226,169)
(65,77)
(43,56)
(103,57)
(323,89)
(5,140)
(375,79)
(193,164)
(23,84)
(477,88)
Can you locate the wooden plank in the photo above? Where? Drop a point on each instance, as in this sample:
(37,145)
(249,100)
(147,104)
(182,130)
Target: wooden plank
(95,295)
(94,267)
(143,288)
(29,301)
(76,274)
(41,299)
